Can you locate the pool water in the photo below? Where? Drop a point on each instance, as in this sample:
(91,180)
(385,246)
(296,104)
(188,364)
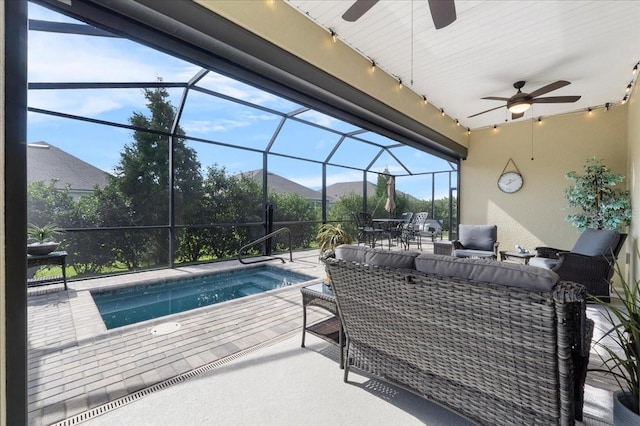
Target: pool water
(135,304)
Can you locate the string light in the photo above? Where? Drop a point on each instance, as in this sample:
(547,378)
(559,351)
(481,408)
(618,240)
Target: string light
(624,100)
(635,69)
(457,122)
(334,36)
(424,98)
(399,82)
(495,127)
(629,88)
(539,120)
(373,65)
(589,109)
(607,106)
(468,130)
(442,111)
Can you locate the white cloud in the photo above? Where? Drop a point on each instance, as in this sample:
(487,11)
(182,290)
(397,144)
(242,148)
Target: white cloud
(223,124)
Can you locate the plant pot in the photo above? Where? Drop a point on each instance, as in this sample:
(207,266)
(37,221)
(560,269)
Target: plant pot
(622,415)
(40,249)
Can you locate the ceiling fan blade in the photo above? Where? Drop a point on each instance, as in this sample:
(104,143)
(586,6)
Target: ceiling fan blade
(492,109)
(443,12)
(495,98)
(549,88)
(516,116)
(555,99)
(357,9)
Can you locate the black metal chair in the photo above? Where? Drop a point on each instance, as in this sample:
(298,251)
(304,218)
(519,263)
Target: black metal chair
(413,232)
(367,233)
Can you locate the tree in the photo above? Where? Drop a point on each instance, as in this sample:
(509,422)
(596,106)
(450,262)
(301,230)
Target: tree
(291,207)
(603,205)
(143,173)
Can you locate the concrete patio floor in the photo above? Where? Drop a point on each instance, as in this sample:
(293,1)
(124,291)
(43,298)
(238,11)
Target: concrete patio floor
(76,364)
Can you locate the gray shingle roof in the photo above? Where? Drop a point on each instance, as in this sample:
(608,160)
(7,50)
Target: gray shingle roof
(340,189)
(280,184)
(46,162)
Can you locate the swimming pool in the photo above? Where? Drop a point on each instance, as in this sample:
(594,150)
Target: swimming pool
(144,302)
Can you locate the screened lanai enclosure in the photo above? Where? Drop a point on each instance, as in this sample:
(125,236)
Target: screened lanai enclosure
(146,156)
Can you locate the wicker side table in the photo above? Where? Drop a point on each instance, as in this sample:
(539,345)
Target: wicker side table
(330,329)
(442,247)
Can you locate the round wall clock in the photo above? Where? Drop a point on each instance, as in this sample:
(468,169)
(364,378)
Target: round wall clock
(510,182)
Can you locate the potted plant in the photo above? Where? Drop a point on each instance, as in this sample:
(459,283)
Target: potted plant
(41,238)
(622,359)
(603,205)
(329,237)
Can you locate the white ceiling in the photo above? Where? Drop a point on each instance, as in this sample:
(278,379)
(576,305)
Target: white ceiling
(491,45)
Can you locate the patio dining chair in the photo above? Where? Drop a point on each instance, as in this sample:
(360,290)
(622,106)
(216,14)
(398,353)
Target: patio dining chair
(367,233)
(413,232)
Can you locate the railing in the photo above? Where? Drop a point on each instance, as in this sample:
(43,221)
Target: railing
(265,238)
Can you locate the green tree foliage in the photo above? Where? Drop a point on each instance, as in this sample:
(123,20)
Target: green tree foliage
(291,207)
(46,204)
(142,175)
(225,200)
(603,205)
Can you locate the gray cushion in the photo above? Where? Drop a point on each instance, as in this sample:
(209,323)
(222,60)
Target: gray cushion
(478,237)
(391,259)
(351,253)
(489,271)
(543,262)
(596,242)
(473,253)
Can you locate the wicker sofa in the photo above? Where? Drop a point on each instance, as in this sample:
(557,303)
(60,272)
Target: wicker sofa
(500,344)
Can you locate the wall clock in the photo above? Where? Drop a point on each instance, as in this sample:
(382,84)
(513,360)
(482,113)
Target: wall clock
(512,181)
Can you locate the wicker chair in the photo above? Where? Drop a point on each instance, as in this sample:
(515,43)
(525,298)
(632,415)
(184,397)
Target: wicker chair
(476,241)
(500,343)
(590,262)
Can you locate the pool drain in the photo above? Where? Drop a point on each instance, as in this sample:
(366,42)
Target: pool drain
(165,328)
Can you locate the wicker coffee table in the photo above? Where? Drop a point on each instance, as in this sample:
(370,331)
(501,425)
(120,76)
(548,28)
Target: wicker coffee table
(330,329)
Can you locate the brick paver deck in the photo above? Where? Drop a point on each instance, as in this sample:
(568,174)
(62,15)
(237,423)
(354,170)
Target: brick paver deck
(76,364)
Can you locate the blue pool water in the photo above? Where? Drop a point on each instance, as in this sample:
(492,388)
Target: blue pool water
(135,304)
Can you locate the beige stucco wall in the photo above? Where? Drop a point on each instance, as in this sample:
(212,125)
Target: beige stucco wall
(543,152)
(284,26)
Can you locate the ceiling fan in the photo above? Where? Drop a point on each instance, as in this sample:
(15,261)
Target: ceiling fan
(443,12)
(520,102)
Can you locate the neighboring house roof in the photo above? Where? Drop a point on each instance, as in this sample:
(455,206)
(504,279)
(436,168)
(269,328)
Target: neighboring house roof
(46,162)
(341,189)
(280,184)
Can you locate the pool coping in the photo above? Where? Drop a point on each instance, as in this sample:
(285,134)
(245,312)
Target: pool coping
(89,325)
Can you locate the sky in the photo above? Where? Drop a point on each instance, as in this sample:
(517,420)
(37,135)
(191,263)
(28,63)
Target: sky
(54,57)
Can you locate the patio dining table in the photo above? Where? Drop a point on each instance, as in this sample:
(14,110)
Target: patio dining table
(389,225)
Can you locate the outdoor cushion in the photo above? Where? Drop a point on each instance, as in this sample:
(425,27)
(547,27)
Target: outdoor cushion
(390,259)
(351,253)
(490,271)
(478,237)
(596,242)
(473,253)
(543,262)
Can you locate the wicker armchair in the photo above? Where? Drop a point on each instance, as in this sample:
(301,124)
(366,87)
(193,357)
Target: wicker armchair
(476,241)
(590,262)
